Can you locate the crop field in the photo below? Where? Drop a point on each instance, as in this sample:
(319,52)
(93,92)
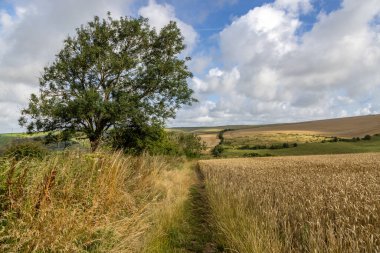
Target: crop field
(296,204)
(236,138)
(311,148)
(340,127)
(210,139)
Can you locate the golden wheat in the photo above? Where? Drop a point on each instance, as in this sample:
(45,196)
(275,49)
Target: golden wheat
(296,204)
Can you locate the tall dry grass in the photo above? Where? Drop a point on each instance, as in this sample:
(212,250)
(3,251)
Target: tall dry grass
(296,204)
(78,202)
(170,225)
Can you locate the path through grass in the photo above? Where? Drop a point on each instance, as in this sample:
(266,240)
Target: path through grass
(185,225)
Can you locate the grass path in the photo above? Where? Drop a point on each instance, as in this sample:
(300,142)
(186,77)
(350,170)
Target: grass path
(184,225)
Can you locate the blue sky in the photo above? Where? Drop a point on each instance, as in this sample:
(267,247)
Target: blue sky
(254,61)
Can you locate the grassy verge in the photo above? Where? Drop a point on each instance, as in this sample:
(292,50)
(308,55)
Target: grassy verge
(79,202)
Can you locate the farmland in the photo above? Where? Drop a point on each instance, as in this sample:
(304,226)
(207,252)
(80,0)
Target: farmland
(295,201)
(332,136)
(341,127)
(296,204)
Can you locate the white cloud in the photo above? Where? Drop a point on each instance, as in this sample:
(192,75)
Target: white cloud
(266,71)
(263,34)
(329,71)
(160,15)
(29,39)
(199,63)
(294,6)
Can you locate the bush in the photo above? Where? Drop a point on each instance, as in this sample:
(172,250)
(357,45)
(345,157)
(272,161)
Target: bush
(154,140)
(251,155)
(295,144)
(187,144)
(276,146)
(285,145)
(256,155)
(25,148)
(217,150)
(367,137)
(244,147)
(63,137)
(247,147)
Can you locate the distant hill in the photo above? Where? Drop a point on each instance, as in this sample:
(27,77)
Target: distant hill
(340,127)
(348,127)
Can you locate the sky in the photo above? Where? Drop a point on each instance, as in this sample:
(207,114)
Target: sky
(253,61)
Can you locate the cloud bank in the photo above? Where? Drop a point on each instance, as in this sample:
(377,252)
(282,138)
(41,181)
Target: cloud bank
(272,73)
(263,67)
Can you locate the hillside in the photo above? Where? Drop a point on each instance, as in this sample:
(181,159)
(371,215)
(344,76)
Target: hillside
(301,132)
(341,127)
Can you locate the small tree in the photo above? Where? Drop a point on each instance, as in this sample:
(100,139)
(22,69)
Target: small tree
(111,73)
(367,137)
(217,150)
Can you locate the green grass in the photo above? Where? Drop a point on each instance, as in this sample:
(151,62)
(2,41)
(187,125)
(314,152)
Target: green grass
(186,227)
(372,145)
(7,138)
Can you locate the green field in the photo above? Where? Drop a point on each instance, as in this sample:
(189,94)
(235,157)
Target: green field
(339,147)
(5,139)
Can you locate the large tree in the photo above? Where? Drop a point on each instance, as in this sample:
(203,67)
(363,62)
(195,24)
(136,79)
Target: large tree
(111,73)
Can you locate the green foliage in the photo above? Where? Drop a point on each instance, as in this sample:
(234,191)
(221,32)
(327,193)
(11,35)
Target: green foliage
(139,138)
(256,155)
(367,137)
(217,150)
(110,73)
(254,147)
(25,148)
(188,144)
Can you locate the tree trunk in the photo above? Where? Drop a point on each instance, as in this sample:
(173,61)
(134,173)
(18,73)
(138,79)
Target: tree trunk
(94,144)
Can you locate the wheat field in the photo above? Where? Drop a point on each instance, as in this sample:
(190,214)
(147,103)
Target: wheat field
(296,204)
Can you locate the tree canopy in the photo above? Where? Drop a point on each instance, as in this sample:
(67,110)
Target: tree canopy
(111,73)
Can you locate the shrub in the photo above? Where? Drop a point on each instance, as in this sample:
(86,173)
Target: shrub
(25,148)
(295,144)
(285,145)
(217,150)
(244,147)
(154,140)
(251,155)
(256,155)
(247,147)
(367,137)
(276,146)
(187,144)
